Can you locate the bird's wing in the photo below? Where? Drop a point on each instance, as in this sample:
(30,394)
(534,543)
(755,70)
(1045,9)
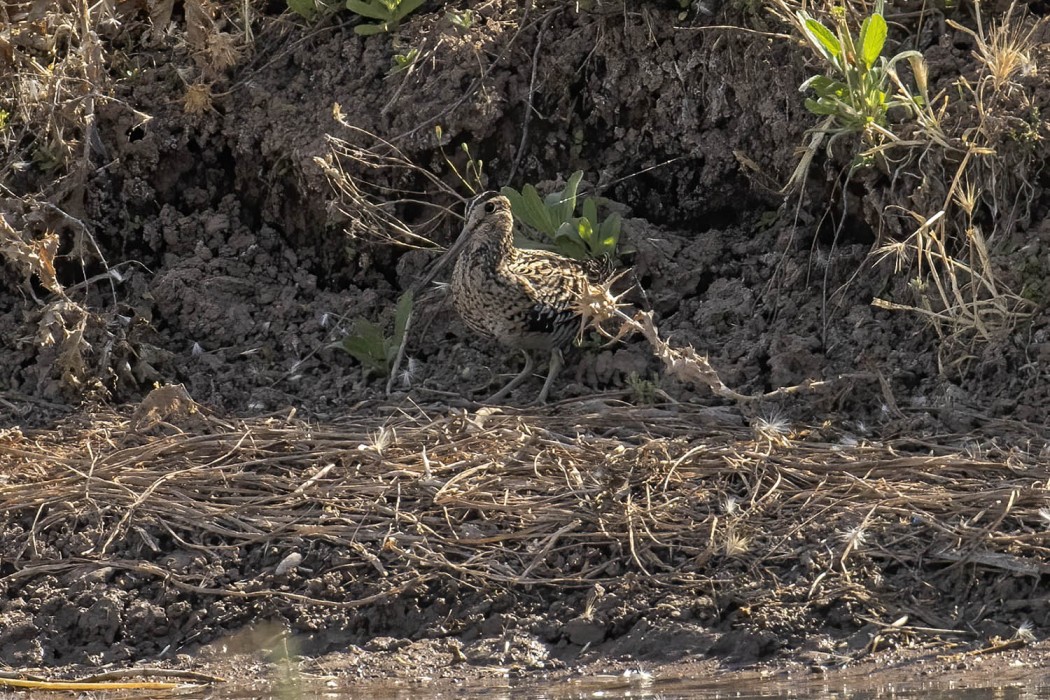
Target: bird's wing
(554,285)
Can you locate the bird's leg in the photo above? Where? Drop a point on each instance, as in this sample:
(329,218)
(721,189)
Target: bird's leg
(513,384)
(557,362)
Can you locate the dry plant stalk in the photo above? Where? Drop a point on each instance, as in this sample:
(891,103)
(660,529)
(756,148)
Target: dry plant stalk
(162,404)
(970,301)
(956,282)
(198,98)
(369,209)
(34,257)
(54,75)
(1006,51)
(63,324)
(385,503)
(214,51)
(684,363)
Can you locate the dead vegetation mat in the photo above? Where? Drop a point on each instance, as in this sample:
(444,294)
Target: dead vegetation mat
(186,524)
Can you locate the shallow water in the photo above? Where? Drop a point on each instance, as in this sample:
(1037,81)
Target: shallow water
(1028,685)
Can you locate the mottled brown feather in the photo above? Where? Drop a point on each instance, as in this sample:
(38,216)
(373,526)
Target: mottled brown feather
(526,299)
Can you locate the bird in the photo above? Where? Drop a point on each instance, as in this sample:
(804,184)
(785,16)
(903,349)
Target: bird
(529,300)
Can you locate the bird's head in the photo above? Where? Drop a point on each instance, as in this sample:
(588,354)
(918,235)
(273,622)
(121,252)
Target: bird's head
(487,217)
(488,212)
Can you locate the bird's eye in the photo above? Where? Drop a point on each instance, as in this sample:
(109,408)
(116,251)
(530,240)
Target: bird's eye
(490,207)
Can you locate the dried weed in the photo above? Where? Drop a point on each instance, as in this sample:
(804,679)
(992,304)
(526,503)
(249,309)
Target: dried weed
(495,500)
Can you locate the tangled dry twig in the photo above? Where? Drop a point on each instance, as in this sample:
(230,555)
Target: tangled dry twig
(513,500)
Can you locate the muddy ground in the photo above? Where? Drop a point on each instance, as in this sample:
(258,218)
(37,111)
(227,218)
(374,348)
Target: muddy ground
(207,247)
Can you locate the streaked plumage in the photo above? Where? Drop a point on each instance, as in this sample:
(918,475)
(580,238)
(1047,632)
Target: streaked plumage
(525,299)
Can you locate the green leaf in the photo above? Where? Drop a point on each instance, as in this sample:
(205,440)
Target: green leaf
(568,204)
(572,249)
(535,212)
(820,83)
(568,242)
(832,89)
(567,231)
(402,314)
(370,29)
(406,7)
(822,39)
(872,39)
(368,10)
(590,210)
(304,8)
(370,332)
(609,233)
(553,202)
(585,230)
(514,196)
(820,107)
(517,204)
(403,61)
(367,345)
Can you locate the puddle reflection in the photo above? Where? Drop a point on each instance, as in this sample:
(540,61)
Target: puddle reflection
(643,687)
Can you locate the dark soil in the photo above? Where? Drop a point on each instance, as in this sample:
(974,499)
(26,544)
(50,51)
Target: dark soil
(240,269)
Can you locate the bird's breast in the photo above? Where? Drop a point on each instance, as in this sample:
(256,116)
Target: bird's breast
(528,301)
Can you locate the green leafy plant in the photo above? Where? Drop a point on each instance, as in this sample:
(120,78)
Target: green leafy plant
(389,14)
(464,20)
(403,60)
(863,86)
(371,347)
(857,96)
(644,390)
(579,237)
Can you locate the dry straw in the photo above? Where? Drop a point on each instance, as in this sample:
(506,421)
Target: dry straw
(595,493)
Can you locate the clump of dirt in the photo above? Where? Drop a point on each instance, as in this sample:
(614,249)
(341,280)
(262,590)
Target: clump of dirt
(203,244)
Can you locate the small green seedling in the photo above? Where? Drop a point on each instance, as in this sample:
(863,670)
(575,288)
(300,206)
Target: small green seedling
(580,237)
(473,179)
(389,14)
(368,344)
(464,20)
(643,389)
(403,60)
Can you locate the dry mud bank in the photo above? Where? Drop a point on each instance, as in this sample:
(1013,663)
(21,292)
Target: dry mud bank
(188,233)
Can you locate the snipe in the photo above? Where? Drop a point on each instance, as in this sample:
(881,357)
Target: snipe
(525,299)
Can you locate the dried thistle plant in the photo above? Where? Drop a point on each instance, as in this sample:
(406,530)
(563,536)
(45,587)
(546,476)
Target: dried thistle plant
(33,257)
(162,404)
(774,430)
(222,52)
(198,98)
(736,544)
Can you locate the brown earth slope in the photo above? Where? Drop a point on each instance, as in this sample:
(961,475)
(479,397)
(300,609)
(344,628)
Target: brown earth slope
(200,242)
